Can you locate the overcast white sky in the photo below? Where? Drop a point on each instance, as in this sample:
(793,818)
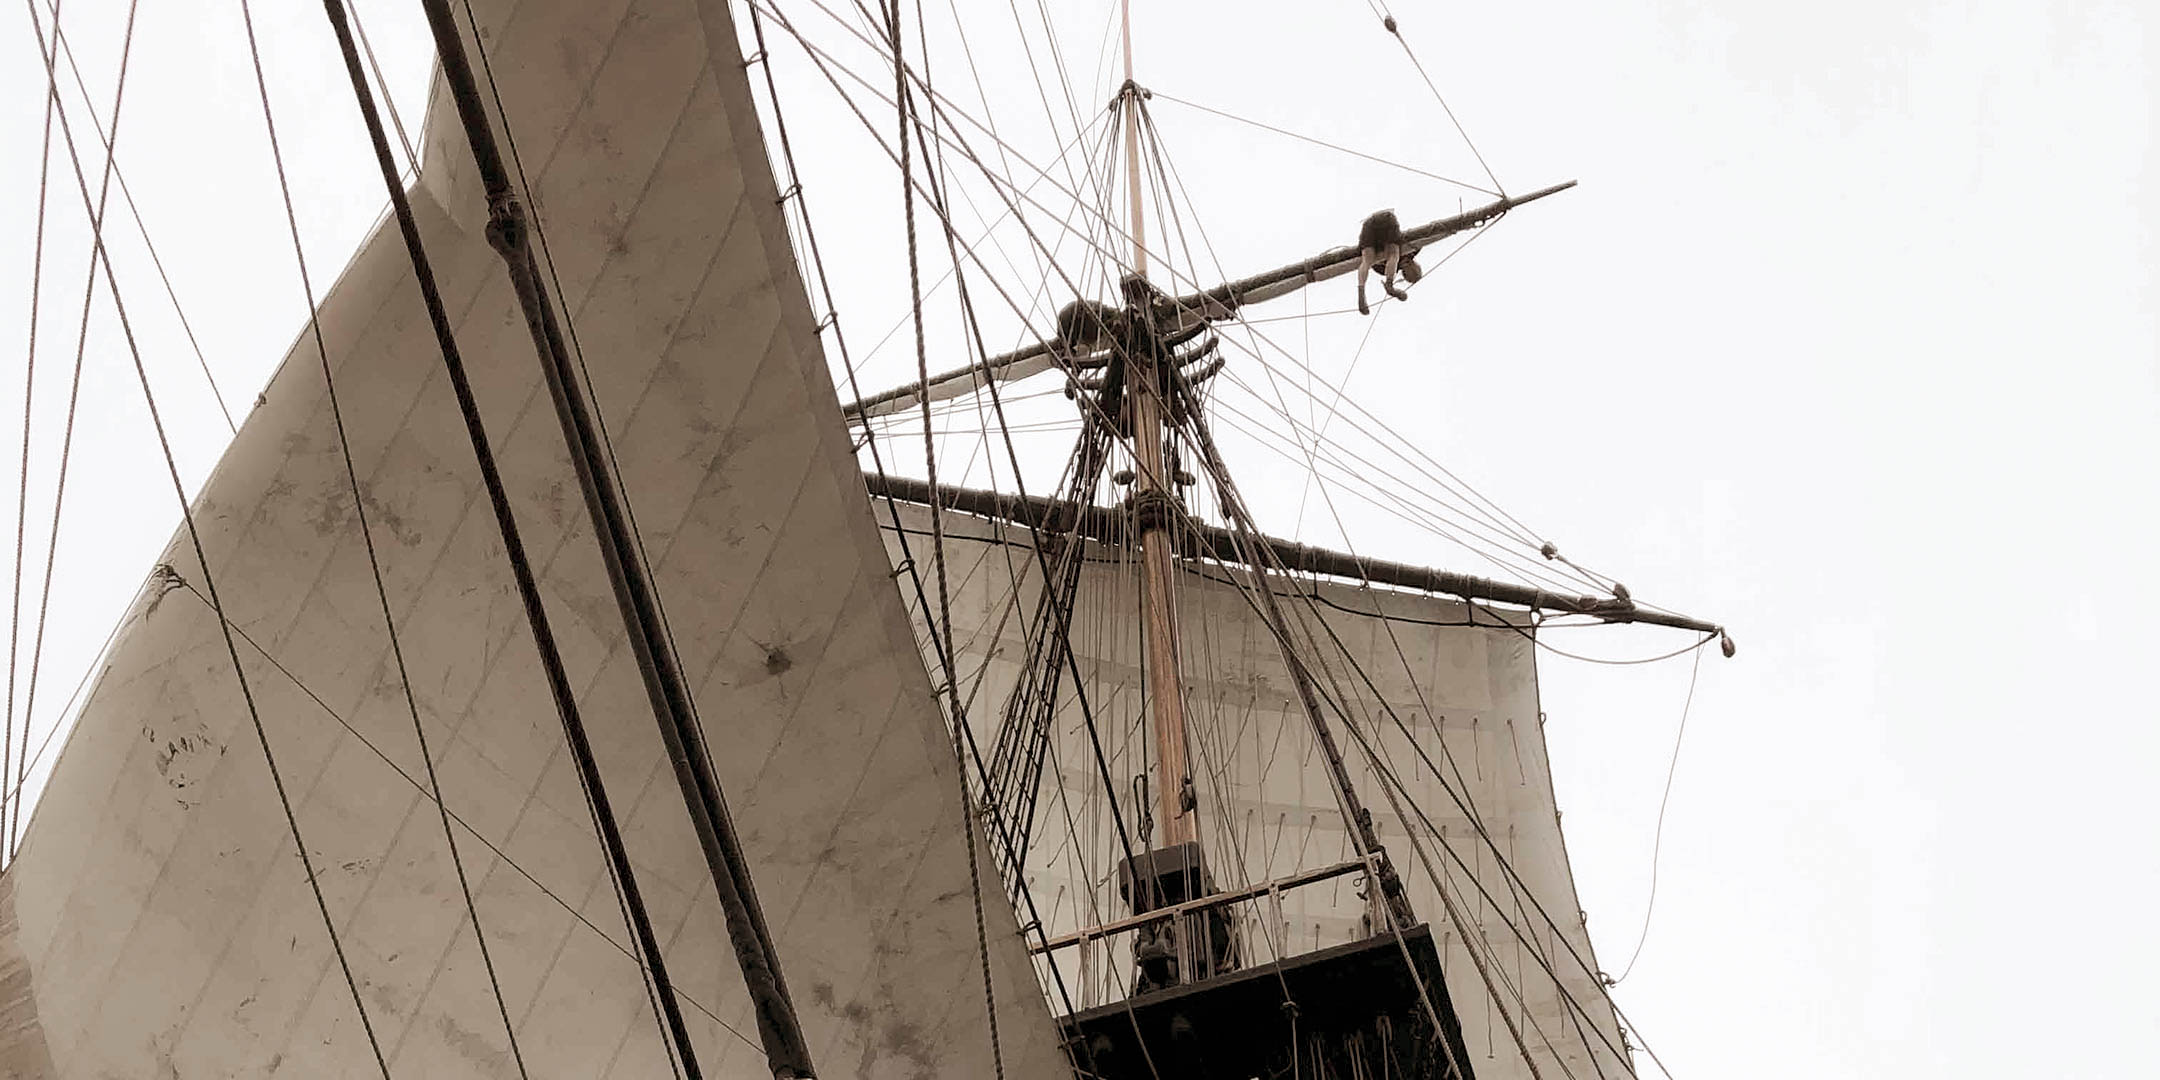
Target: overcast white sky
(1846,340)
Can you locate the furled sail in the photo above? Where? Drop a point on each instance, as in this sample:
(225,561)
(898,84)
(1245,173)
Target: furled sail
(157,922)
(1467,701)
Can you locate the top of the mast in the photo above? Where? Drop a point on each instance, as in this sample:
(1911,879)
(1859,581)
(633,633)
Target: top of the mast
(1128,97)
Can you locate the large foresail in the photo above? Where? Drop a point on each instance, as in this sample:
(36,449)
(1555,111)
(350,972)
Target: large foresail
(157,921)
(1448,708)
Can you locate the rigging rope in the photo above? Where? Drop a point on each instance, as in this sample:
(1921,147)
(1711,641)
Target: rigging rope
(666,687)
(818,56)
(397,123)
(127,198)
(1229,503)
(1661,657)
(1465,803)
(1657,843)
(1375,158)
(819,59)
(8,811)
(82,341)
(1087,462)
(103,260)
(621,873)
(1457,792)
(1387,22)
(367,541)
(535,221)
(1446,480)
(422,789)
(902,100)
(33,760)
(892,506)
(1355,816)
(937,103)
(1469,810)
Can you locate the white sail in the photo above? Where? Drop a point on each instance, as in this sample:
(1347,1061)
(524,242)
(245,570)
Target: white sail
(1466,695)
(156,922)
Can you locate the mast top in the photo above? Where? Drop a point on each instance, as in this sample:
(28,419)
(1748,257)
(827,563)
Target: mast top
(1128,97)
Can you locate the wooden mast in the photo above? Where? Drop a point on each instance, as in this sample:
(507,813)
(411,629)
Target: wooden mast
(1152,501)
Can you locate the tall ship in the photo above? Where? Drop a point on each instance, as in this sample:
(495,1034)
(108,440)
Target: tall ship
(573,669)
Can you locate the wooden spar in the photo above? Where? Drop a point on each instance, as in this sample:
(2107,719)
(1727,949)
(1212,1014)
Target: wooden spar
(1130,96)
(1221,300)
(1215,303)
(1153,495)
(1152,500)
(1106,525)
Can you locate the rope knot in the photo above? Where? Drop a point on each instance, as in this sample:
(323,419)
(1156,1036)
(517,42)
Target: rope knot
(506,224)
